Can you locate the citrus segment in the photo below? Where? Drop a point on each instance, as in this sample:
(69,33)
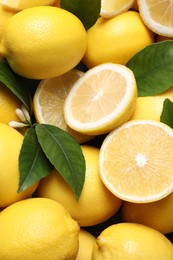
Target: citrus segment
(157,15)
(18,5)
(111,8)
(101,100)
(49,98)
(136,161)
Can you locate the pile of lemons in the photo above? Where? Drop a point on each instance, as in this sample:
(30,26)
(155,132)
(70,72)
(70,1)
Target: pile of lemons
(125,208)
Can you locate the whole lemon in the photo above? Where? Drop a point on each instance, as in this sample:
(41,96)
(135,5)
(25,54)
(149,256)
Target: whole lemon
(10,145)
(43,42)
(38,229)
(158,214)
(96,203)
(131,241)
(116,39)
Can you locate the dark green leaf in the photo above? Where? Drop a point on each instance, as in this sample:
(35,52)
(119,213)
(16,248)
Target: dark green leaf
(87,11)
(15,83)
(153,68)
(33,164)
(64,153)
(167,113)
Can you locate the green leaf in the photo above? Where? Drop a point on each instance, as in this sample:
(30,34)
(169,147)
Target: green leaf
(15,83)
(167,113)
(64,153)
(33,164)
(153,68)
(87,11)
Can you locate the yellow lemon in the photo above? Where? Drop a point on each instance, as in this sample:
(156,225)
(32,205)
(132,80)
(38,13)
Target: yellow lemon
(18,5)
(10,143)
(111,8)
(49,98)
(8,104)
(38,228)
(132,241)
(157,215)
(96,203)
(102,99)
(116,39)
(136,161)
(37,44)
(157,16)
(86,243)
(150,107)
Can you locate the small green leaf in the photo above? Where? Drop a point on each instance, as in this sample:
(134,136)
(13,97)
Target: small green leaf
(167,113)
(87,11)
(64,153)
(33,164)
(153,68)
(15,83)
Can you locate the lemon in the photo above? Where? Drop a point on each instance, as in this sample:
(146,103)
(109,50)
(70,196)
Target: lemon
(158,16)
(38,228)
(96,203)
(132,241)
(111,8)
(102,99)
(116,39)
(86,243)
(49,98)
(157,215)
(150,107)
(18,5)
(37,44)
(10,143)
(8,104)
(136,161)
(4,16)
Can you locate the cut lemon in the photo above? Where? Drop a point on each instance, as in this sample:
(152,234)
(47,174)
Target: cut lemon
(136,161)
(18,5)
(157,15)
(101,100)
(48,102)
(111,8)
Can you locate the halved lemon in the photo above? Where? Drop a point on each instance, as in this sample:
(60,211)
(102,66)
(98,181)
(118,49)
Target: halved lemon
(111,8)
(136,161)
(18,5)
(102,99)
(157,15)
(48,102)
